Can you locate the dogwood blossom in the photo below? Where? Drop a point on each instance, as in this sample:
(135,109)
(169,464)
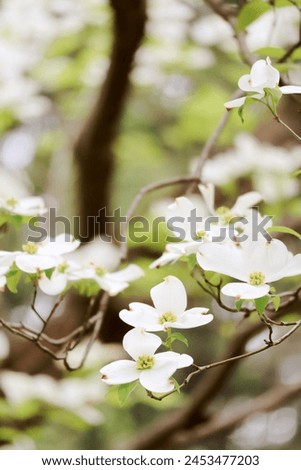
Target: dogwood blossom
(111,282)
(170,301)
(38,257)
(241,208)
(57,283)
(255,263)
(262,76)
(153,371)
(27,206)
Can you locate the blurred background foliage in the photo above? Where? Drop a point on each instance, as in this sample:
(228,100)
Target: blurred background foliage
(54,60)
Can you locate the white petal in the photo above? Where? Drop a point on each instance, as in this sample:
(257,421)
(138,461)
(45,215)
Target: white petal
(111,286)
(3,270)
(157,379)
(263,73)
(53,286)
(208,193)
(119,372)
(128,274)
(169,296)
(241,290)
(141,316)
(33,263)
(114,283)
(192,318)
(182,360)
(290,89)
(266,257)
(164,259)
(292,268)
(138,342)
(245,202)
(223,259)
(244,83)
(63,243)
(235,103)
(7,258)
(32,205)
(177,214)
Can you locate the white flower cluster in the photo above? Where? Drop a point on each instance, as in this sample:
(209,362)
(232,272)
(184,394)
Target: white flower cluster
(268,166)
(255,261)
(154,370)
(50,263)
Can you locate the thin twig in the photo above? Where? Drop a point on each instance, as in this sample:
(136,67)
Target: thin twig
(269,344)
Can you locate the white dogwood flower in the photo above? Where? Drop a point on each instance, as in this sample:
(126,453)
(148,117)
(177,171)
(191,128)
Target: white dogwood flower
(38,257)
(262,76)
(57,283)
(27,206)
(241,208)
(255,263)
(169,311)
(111,282)
(154,371)
(184,220)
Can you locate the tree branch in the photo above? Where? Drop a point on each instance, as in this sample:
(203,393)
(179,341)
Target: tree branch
(93,149)
(227,421)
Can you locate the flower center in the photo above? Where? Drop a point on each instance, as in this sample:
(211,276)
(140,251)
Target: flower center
(200,234)
(226,214)
(100,271)
(62,267)
(167,317)
(30,248)
(145,362)
(12,202)
(257,278)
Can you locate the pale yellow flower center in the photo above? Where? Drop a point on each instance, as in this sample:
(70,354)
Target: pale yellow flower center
(200,234)
(145,362)
(62,267)
(257,278)
(30,248)
(167,317)
(100,271)
(226,214)
(12,202)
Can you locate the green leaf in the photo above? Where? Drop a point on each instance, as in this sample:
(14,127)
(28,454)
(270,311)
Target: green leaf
(241,113)
(12,280)
(295,174)
(238,304)
(213,278)
(178,337)
(282,229)
(296,55)
(86,287)
(286,3)
(124,391)
(273,52)
(276,302)
(261,303)
(191,262)
(275,95)
(251,12)
(49,272)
